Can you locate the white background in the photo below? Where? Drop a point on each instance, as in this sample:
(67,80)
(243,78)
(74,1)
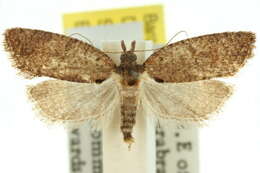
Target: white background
(229,144)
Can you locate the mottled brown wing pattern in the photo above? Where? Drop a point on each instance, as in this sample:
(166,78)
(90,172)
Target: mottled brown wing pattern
(201,58)
(38,53)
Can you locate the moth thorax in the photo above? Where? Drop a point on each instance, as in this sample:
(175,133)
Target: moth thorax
(128,68)
(128,59)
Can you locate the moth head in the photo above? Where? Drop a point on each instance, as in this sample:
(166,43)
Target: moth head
(128,56)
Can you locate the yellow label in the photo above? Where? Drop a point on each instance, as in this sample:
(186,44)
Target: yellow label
(151,16)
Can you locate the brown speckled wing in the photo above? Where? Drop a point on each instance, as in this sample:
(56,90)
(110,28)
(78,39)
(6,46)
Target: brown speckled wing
(201,58)
(38,53)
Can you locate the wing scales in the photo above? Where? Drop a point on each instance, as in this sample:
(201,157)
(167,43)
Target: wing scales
(187,64)
(200,58)
(40,53)
(192,101)
(58,100)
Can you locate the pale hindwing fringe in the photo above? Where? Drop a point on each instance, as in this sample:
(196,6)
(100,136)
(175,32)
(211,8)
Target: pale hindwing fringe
(64,101)
(185,102)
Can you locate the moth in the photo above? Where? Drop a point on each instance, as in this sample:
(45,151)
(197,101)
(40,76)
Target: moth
(175,82)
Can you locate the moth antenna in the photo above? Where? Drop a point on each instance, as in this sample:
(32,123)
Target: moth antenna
(134,42)
(88,40)
(133,46)
(165,44)
(123,45)
(186,33)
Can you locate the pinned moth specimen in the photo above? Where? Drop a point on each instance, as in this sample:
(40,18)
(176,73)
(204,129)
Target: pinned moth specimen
(175,82)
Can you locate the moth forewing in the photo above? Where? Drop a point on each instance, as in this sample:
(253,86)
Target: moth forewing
(39,53)
(201,58)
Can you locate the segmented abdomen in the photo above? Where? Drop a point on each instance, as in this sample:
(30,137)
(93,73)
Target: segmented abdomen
(129,99)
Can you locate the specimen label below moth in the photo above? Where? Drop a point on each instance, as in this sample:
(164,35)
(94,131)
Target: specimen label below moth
(175,82)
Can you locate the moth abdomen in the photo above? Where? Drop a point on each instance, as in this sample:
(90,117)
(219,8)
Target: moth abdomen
(129,97)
